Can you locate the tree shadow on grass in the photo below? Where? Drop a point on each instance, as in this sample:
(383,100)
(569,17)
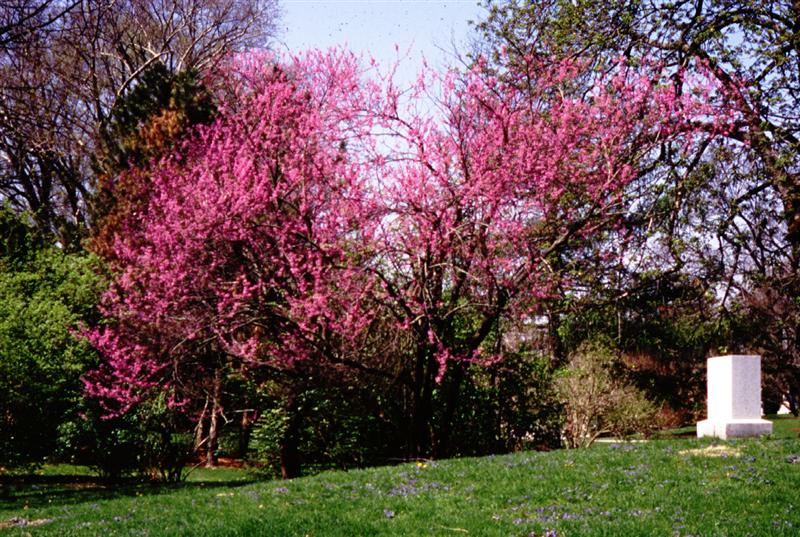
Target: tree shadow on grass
(32,491)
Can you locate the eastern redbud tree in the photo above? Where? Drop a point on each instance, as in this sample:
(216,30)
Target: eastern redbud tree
(484,194)
(322,201)
(245,251)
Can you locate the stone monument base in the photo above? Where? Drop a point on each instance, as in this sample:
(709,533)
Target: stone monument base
(733,428)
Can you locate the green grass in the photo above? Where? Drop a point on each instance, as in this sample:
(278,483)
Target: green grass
(654,488)
(783,426)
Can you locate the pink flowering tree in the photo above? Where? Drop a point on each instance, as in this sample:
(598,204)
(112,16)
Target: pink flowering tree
(246,251)
(320,204)
(482,196)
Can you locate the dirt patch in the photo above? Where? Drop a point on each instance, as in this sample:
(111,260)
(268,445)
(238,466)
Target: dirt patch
(24,522)
(712,451)
(222,462)
(231,463)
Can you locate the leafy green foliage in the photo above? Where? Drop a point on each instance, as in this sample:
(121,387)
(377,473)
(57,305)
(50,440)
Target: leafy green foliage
(332,427)
(153,442)
(150,119)
(267,437)
(44,294)
(507,407)
(111,448)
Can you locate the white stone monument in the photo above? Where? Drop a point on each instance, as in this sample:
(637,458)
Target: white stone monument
(734,398)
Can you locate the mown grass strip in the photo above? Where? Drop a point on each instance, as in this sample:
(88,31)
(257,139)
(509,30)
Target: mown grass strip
(664,487)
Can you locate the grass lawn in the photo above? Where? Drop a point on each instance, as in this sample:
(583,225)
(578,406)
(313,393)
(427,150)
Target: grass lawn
(663,487)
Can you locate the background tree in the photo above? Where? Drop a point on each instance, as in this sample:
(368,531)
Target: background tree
(58,89)
(148,123)
(725,215)
(19,18)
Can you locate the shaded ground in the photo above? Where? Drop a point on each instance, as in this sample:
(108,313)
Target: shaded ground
(28,491)
(660,487)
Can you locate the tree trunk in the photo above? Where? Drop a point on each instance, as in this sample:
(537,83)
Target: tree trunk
(290,453)
(213,428)
(452,392)
(245,428)
(199,429)
(419,441)
(554,338)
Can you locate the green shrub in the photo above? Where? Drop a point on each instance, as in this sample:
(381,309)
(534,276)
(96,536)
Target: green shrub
(151,441)
(44,294)
(597,398)
(328,426)
(111,447)
(266,439)
(507,407)
(167,440)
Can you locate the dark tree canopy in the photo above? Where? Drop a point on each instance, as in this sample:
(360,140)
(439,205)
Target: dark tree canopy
(66,67)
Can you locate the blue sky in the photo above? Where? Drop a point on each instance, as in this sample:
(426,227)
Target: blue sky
(375,27)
